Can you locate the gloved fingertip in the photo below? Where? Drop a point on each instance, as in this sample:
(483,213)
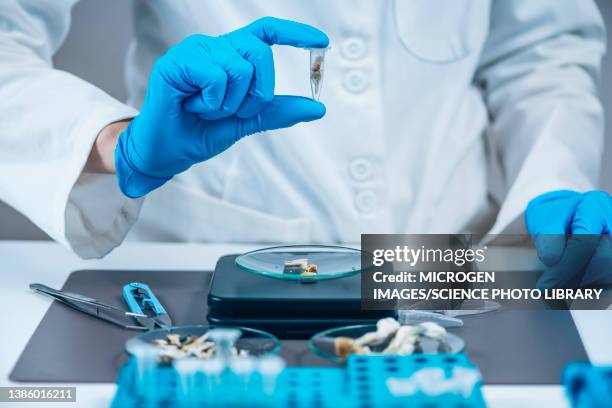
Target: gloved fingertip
(549,259)
(300,109)
(544,283)
(284,111)
(550,248)
(316,111)
(285,32)
(319,39)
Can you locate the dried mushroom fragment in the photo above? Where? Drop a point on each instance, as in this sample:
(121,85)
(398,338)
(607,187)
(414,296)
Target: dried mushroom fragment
(174,346)
(315,69)
(344,346)
(295,266)
(396,339)
(299,267)
(385,328)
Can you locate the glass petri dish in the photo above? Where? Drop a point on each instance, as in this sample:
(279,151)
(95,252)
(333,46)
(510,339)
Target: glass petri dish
(255,342)
(321,343)
(332,261)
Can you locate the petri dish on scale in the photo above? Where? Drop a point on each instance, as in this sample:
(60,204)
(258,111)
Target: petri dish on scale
(331,262)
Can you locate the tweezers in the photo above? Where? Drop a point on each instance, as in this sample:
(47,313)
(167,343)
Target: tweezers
(91,306)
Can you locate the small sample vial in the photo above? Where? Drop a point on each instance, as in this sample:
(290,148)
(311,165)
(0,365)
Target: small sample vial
(187,369)
(243,368)
(212,369)
(146,357)
(269,368)
(224,339)
(317,68)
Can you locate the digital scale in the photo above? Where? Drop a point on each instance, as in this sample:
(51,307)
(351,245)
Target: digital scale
(253,290)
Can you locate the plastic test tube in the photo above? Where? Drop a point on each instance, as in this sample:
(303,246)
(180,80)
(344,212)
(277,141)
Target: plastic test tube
(243,368)
(212,370)
(224,339)
(269,368)
(188,369)
(146,368)
(317,69)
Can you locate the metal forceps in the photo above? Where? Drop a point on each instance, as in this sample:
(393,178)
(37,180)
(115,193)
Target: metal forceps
(93,307)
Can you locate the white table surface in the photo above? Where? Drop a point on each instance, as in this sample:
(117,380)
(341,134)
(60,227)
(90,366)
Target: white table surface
(23,262)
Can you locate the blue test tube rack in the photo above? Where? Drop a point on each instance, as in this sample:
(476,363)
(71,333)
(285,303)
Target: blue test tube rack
(363,382)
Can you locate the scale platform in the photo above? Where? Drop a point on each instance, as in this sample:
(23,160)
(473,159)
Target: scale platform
(286,308)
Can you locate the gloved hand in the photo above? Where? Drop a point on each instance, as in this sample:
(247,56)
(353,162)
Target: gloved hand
(204,95)
(566,229)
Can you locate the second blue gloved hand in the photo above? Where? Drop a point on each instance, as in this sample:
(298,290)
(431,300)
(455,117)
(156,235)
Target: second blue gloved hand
(204,95)
(566,228)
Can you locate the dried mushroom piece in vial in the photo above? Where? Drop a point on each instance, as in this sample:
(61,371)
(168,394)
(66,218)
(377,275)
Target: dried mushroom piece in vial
(317,69)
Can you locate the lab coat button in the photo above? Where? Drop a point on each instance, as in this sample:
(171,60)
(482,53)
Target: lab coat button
(355,81)
(353,48)
(361,169)
(366,201)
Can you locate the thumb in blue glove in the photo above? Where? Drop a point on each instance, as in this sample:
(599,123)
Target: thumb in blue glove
(204,95)
(566,227)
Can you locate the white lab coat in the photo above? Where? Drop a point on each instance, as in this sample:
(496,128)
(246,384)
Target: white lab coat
(442,116)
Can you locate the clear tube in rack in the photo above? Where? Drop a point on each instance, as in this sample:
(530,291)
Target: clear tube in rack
(269,368)
(188,369)
(146,357)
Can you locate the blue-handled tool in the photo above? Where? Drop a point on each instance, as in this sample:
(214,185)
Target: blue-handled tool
(91,307)
(141,301)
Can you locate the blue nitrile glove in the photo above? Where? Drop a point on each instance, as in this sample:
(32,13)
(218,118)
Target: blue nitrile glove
(204,95)
(566,229)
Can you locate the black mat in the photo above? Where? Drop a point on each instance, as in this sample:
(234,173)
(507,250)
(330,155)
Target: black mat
(510,347)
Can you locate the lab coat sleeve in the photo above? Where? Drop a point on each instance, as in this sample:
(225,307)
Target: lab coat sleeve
(48,123)
(539,71)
